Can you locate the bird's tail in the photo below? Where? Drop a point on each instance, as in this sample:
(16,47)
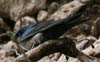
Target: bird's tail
(57,28)
(74,18)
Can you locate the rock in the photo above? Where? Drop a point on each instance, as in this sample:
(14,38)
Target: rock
(53,7)
(71,59)
(15,9)
(96,32)
(83,1)
(66,10)
(5,8)
(10,45)
(93,51)
(81,37)
(10,48)
(91,38)
(62,58)
(2,54)
(24,22)
(4,58)
(9,59)
(45,59)
(42,16)
(55,56)
(86,29)
(1,22)
(85,42)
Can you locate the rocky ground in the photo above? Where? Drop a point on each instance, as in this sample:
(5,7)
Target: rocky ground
(18,13)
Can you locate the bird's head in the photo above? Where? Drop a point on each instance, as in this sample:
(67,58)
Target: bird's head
(21,31)
(24,31)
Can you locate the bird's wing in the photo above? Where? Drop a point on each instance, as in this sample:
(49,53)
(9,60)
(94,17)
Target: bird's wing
(32,31)
(43,26)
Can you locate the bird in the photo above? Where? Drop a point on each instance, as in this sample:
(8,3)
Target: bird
(34,34)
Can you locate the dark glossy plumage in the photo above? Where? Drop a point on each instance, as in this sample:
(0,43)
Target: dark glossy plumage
(49,29)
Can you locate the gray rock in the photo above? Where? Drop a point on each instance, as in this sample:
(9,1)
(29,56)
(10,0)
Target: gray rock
(53,7)
(15,9)
(42,16)
(66,10)
(24,22)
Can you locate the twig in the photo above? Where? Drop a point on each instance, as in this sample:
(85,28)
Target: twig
(21,50)
(64,45)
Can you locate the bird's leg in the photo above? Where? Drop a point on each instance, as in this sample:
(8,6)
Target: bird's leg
(37,39)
